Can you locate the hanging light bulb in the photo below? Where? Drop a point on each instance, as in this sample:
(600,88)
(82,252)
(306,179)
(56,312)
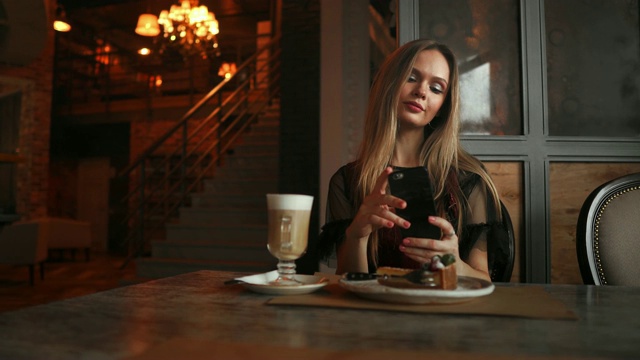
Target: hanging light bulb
(60,23)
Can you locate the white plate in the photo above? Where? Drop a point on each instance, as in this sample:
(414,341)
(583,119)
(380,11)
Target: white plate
(260,283)
(468,288)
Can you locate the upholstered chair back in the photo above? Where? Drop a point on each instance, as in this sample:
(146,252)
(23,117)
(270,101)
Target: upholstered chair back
(608,233)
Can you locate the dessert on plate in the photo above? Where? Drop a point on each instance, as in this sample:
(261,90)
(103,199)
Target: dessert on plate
(438,273)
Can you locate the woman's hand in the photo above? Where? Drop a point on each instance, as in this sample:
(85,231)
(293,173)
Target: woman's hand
(376,210)
(422,250)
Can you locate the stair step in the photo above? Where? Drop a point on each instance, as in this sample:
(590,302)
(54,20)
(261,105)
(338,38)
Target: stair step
(257,148)
(260,132)
(270,120)
(266,162)
(213,233)
(257,140)
(270,127)
(267,121)
(269,154)
(257,161)
(224,227)
(155,268)
(224,251)
(225,215)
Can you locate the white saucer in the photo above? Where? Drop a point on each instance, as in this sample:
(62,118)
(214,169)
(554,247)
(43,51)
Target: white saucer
(468,288)
(261,283)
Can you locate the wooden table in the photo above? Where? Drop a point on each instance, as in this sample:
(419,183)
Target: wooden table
(196,315)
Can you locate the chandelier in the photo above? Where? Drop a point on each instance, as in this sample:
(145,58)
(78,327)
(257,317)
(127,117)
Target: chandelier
(188,28)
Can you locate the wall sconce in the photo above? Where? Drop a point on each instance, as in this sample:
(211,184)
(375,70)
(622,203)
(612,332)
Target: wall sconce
(60,23)
(227,70)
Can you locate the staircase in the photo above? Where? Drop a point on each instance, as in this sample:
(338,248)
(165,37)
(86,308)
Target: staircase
(196,197)
(225,227)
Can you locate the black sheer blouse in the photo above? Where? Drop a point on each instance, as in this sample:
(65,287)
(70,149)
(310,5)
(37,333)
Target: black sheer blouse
(480,223)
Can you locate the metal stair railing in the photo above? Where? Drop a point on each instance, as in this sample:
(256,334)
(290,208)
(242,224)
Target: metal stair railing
(175,165)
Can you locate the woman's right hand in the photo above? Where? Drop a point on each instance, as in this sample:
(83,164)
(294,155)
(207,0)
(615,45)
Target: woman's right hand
(377,210)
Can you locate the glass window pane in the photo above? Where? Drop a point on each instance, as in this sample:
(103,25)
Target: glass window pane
(485,36)
(593,67)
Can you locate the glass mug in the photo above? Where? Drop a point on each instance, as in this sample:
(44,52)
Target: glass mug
(288,231)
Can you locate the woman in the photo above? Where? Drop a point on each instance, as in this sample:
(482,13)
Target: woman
(412,120)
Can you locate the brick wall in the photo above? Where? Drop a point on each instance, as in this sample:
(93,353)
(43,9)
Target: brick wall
(300,107)
(35,81)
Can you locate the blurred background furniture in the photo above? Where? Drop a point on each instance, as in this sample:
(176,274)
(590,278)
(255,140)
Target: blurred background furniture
(8,181)
(24,244)
(608,233)
(6,219)
(66,234)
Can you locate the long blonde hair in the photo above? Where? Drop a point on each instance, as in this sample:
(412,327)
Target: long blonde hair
(441,151)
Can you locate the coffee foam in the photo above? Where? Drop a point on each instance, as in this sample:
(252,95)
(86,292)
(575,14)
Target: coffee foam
(289,201)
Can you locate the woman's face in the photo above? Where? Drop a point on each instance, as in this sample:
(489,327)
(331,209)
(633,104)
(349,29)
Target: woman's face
(424,92)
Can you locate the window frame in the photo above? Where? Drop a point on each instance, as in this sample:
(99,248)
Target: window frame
(535,148)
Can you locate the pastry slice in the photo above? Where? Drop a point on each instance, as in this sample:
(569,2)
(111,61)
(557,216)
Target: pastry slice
(439,273)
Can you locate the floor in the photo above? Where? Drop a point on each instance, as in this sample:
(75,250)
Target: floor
(64,277)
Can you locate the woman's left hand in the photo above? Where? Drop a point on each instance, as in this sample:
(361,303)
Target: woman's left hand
(422,250)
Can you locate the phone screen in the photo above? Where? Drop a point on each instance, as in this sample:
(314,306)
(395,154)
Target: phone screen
(413,186)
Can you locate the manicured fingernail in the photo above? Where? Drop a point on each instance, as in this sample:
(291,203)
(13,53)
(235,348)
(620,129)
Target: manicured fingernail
(389,224)
(405,241)
(432,218)
(402,248)
(406,224)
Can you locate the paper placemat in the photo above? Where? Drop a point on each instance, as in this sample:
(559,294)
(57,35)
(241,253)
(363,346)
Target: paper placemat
(528,302)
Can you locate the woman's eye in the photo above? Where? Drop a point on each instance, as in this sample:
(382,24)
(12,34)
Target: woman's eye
(412,78)
(437,89)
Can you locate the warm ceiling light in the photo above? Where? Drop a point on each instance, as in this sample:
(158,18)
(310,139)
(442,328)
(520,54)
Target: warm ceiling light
(60,22)
(144,51)
(61,26)
(227,70)
(148,25)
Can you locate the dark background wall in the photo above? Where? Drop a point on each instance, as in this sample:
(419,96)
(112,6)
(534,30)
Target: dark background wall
(70,145)
(37,73)
(300,106)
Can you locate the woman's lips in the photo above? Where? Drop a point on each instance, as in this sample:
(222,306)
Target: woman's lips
(414,106)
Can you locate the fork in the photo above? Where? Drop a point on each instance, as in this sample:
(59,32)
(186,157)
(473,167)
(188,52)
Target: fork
(419,276)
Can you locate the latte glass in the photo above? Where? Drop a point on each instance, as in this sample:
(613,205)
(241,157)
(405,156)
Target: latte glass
(288,228)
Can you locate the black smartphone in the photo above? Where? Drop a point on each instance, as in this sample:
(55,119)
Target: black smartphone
(413,186)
